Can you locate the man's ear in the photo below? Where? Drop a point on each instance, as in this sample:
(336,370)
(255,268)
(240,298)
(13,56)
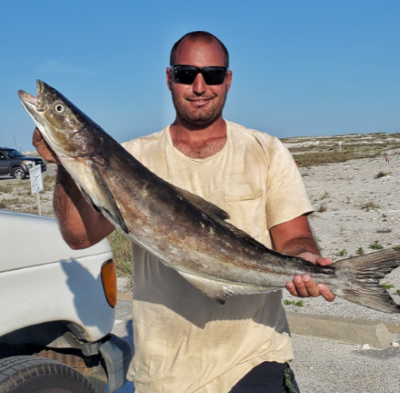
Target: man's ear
(228,80)
(168,77)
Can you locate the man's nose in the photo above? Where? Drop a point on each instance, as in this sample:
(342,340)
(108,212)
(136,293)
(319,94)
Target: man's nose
(199,85)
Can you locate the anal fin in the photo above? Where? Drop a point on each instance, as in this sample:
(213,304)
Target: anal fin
(221,290)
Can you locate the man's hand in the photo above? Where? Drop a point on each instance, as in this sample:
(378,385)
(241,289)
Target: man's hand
(294,237)
(43,148)
(303,286)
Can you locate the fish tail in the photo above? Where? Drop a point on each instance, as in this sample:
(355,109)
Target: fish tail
(362,275)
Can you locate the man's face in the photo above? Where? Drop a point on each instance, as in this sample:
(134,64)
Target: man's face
(199,104)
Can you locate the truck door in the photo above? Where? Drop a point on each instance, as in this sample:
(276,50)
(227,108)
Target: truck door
(3,162)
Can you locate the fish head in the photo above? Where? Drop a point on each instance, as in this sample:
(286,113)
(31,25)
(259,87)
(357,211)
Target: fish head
(68,131)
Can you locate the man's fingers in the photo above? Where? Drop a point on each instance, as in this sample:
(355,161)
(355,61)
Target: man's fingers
(326,293)
(43,148)
(304,286)
(300,287)
(291,288)
(37,137)
(325,261)
(308,256)
(311,288)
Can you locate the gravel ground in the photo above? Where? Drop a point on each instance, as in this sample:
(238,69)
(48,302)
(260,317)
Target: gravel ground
(344,189)
(323,366)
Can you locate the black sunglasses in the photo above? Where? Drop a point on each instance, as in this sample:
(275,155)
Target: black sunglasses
(186,74)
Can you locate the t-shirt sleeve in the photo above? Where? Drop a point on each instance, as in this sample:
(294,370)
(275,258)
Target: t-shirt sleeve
(286,194)
(133,147)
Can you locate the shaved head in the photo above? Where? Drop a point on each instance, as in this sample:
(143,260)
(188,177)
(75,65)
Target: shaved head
(201,36)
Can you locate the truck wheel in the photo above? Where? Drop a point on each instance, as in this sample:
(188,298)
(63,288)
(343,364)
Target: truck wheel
(30,374)
(18,173)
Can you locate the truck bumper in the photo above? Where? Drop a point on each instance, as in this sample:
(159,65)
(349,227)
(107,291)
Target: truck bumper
(117,354)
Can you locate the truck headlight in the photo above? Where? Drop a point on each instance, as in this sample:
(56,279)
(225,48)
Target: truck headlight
(109,280)
(28,163)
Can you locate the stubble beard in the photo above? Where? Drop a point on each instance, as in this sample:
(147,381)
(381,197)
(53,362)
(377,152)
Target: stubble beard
(200,117)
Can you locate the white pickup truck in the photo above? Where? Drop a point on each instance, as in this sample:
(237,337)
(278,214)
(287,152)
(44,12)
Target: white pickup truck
(56,312)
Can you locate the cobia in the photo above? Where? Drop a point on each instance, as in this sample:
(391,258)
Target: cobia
(184,231)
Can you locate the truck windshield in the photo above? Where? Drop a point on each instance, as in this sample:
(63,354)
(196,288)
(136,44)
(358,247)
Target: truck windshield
(13,153)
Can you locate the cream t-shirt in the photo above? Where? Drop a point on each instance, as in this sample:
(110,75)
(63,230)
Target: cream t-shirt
(184,341)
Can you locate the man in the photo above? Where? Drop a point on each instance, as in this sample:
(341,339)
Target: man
(184,341)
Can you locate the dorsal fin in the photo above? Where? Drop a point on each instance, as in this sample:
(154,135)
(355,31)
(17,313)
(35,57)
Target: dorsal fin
(207,207)
(217,214)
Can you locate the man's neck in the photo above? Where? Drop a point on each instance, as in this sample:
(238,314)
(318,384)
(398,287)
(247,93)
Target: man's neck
(199,142)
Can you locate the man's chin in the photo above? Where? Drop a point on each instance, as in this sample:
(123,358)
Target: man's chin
(200,118)
(200,121)
(197,118)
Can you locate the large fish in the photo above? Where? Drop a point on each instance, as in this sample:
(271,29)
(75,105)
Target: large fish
(183,230)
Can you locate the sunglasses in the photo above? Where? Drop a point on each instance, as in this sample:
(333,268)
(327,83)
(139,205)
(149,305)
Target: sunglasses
(186,74)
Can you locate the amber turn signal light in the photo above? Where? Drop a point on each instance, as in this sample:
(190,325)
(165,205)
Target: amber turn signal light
(109,280)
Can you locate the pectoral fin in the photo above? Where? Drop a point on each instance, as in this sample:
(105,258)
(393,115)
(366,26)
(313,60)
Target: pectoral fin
(221,290)
(100,197)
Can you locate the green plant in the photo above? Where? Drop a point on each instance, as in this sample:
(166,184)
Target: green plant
(48,183)
(328,155)
(369,206)
(121,249)
(6,203)
(326,195)
(380,174)
(341,253)
(6,188)
(387,286)
(298,303)
(375,245)
(398,292)
(360,251)
(383,231)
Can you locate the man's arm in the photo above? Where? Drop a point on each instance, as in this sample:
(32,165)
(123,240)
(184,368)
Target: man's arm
(81,226)
(294,237)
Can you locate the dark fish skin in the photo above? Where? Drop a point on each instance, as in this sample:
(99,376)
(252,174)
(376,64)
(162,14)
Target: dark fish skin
(183,230)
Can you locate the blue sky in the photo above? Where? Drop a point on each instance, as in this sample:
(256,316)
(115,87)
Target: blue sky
(300,67)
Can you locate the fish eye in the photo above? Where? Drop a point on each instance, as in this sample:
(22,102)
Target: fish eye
(59,108)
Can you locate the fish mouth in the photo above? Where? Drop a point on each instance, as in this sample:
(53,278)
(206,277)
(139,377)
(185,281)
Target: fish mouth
(31,102)
(28,99)
(35,108)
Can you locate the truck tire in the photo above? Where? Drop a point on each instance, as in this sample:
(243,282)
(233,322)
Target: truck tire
(18,173)
(31,374)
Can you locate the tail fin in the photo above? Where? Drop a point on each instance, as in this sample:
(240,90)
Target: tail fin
(362,275)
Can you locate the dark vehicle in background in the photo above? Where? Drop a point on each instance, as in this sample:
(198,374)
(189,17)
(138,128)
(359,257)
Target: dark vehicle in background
(15,164)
